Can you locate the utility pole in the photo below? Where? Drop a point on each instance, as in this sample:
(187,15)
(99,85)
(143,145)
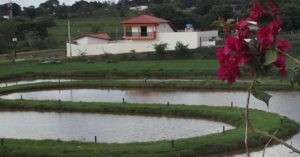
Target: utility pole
(70,40)
(10,10)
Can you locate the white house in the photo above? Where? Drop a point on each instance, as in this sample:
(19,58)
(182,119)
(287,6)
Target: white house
(140,35)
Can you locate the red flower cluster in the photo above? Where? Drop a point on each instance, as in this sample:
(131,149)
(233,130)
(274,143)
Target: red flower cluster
(236,54)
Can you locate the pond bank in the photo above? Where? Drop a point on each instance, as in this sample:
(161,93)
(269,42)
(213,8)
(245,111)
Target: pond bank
(166,84)
(231,140)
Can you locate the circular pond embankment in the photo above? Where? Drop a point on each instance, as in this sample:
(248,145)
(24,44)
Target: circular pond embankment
(229,141)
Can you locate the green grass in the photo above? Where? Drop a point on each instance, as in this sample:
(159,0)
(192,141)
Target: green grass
(167,84)
(80,26)
(176,68)
(161,68)
(214,143)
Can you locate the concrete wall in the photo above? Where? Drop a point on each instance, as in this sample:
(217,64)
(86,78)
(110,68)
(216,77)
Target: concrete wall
(125,46)
(90,40)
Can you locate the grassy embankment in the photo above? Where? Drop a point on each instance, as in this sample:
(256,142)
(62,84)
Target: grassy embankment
(231,140)
(201,64)
(161,68)
(164,84)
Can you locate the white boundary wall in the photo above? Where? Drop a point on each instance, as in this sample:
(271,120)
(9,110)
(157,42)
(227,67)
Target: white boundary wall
(193,39)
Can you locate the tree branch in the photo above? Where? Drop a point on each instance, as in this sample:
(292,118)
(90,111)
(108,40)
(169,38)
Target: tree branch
(266,146)
(246,114)
(263,133)
(273,137)
(290,57)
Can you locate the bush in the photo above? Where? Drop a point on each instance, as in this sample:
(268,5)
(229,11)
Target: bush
(160,50)
(182,49)
(95,29)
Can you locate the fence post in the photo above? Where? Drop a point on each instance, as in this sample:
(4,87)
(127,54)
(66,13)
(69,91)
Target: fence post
(223,129)
(123,100)
(95,139)
(231,104)
(2,141)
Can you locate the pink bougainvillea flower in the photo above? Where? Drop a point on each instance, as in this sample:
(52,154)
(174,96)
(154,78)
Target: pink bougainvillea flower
(230,70)
(274,10)
(236,45)
(276,25)
(243,24)
(222,56)
(280,62)
(236,54)
(283,72)
(232,44)
(244,33)
(230,64)
(257,11)
(265,37)
(283,46)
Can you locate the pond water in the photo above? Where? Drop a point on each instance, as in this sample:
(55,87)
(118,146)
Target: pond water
(7,84)
(108,128)
(284,103)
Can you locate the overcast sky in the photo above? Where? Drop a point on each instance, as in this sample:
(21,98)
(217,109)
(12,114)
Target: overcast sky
(37,2)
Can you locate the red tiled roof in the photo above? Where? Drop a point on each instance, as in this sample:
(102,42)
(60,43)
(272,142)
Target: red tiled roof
(104,36)
(145,19)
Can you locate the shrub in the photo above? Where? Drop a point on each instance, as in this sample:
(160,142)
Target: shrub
(160,49)
(182,49)
(95,29)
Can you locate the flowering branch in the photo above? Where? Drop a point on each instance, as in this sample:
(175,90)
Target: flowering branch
(254,46)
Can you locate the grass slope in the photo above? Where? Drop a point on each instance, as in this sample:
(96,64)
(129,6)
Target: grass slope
(161,68)
(231,140)
(80,26)
(205,84)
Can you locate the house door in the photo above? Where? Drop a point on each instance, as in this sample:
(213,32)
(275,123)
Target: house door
(143,31)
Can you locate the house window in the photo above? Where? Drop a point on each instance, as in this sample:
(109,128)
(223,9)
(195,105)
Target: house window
(144,31)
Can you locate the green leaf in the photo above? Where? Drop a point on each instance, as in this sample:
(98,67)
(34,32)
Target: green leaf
(271,57)
(261,95)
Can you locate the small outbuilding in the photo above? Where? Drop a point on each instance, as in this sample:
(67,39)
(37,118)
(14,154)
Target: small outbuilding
(98,38)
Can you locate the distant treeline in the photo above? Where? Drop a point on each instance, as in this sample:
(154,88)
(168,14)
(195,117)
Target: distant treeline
(30,23)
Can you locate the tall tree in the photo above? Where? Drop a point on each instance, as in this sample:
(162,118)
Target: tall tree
(204,6)
(50,5)
(225,11)
(291,18)
(165,11)
(32,12)
(185,3)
